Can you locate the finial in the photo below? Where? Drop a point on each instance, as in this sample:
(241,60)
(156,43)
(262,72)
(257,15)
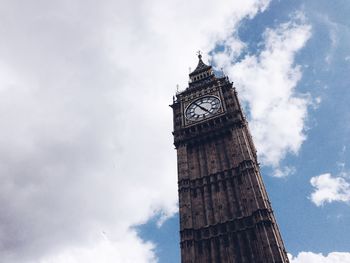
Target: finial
(199,53)
(222,72)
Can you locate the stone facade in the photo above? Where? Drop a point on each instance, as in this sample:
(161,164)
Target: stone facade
(225,213)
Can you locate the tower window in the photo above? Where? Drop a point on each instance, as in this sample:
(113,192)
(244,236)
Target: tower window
(194,193)
(200,248)
(226,243)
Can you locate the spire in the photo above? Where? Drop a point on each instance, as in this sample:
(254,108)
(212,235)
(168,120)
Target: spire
(201,67)
(199,55)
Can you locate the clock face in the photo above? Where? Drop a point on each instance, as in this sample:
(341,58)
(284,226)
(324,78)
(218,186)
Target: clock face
(202,108)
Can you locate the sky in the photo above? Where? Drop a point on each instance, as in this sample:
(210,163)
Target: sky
(87,164)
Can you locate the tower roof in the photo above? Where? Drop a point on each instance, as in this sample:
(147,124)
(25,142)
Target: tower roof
(201,67)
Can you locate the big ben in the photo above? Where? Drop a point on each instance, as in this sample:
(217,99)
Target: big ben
(225,213)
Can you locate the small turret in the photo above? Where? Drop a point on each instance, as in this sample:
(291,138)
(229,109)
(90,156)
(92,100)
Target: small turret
(202,70)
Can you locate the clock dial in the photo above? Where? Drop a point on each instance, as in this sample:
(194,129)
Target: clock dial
(202,108)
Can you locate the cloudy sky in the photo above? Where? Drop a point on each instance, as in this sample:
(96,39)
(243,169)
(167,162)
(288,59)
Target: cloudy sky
(87,165)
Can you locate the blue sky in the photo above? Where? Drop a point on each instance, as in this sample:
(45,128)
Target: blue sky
(325,67)
(87,166)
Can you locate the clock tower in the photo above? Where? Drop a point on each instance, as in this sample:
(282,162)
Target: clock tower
(225,213)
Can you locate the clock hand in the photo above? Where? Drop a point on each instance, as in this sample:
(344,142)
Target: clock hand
(201,107)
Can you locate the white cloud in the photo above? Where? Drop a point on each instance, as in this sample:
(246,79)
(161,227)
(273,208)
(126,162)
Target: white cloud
(266,83)
(310,257)
(329,189)
(128,249)
(284,171)
(85,131)
(333,35)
